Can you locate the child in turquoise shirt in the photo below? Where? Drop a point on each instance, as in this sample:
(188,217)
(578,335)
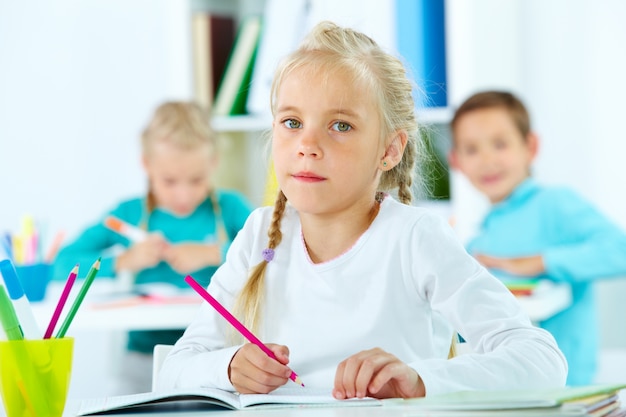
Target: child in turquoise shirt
(533,230)
(189,224)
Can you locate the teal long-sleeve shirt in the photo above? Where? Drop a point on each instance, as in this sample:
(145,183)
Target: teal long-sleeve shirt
(578,244)
(200,227)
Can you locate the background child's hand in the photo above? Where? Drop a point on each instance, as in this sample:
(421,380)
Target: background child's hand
(185,258)
(376,373)
(251,371)
(528,266)
(142,255)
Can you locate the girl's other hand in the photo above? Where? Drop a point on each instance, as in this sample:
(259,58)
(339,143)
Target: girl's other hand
(142,255)
(186,258)
(251,371)
(376,373)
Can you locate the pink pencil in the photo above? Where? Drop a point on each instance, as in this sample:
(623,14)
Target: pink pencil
(236,323)
(57,311)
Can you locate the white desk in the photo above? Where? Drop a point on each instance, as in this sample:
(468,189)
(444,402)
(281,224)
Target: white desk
(105,307)
(375,411)
(546,301)
(95,315)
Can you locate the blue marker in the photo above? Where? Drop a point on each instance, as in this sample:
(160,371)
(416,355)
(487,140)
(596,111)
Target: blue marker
(20,302)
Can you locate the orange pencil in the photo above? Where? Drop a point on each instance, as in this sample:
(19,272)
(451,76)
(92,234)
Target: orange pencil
(56,245)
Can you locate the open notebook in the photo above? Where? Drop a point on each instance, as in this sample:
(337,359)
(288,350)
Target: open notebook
(183,399)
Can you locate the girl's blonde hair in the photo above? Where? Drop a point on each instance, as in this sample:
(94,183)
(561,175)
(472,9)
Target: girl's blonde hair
(185,125)
(330,48)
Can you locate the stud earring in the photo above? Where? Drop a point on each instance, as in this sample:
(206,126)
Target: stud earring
(385,164)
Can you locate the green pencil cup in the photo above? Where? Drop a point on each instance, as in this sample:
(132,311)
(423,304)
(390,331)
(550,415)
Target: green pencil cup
(35,376)
(35,279)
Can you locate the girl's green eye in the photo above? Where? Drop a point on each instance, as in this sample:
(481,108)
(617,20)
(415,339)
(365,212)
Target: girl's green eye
(342,127)
(292,124)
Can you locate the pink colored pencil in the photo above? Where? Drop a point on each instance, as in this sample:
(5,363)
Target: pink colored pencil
(236,323)
(59,308)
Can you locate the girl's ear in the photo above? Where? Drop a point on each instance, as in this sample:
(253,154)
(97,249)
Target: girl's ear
(144,162)
(453,161)
(394,151)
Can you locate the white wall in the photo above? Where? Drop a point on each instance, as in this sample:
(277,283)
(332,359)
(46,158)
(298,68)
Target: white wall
(78,81)
(566,59)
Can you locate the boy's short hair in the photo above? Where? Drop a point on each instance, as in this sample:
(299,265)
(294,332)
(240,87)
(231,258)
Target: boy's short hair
(491,99)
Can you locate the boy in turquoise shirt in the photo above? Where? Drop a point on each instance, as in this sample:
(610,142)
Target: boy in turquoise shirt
(188,224)
(533,230)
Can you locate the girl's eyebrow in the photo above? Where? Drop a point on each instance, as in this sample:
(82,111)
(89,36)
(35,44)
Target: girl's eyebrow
(346,112)
(341,111)
(283,109)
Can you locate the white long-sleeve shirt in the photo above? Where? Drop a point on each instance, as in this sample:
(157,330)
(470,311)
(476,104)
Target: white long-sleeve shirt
(405,286)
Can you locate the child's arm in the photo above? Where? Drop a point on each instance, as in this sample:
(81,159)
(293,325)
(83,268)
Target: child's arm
(508,351)
(84,250)
(581,244)
(590,247)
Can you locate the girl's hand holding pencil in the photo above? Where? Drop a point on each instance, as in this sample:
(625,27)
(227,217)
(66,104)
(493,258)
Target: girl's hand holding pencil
(146,250)
(255,362)
(252,371)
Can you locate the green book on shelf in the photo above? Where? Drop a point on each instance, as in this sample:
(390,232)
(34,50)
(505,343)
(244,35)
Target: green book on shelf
(233,90)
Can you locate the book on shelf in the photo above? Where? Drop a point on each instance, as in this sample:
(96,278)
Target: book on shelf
(592,400)
(211,398)
(285,24)
(233,89)
(420,34)
(213,37)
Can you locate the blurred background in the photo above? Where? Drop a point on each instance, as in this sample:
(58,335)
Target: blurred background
(79,79)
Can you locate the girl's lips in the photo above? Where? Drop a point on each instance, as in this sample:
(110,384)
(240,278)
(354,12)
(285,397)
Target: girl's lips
(308,177)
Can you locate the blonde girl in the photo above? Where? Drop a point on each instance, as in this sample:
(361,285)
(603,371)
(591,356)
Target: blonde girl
(355,291)
(189,223)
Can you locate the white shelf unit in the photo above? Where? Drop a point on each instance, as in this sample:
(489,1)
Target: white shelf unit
(244,123)
(258,123)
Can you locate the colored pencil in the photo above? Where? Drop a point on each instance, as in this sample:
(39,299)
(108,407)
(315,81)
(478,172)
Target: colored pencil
(235,323)
(79,299)
(59,308)
(55,246)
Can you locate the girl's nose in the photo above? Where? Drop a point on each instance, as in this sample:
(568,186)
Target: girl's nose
(309,145)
